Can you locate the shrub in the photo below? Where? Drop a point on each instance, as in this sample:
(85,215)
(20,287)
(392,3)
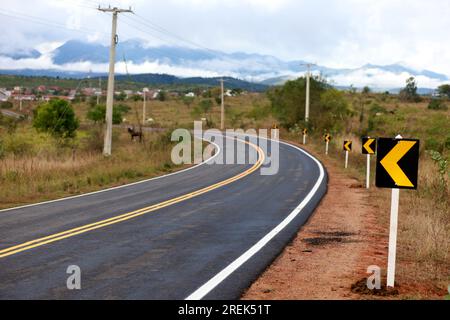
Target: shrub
(6,105)
(57,118)
(437,104)
(18,146)
(97,113)
(376,108)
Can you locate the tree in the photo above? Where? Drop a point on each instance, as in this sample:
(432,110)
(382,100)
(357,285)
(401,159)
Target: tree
(162,96)
(444,90)
(97,114)
(56,117)
(334,110)
(366,90)
(188,101)
(409,93)
(203,108)
(288,101)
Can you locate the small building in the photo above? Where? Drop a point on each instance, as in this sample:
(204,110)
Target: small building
(190,95)
(41,89)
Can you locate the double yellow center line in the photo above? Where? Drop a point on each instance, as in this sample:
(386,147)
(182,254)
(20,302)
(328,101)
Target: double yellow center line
(127,216)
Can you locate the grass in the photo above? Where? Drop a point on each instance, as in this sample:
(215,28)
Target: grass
(36,169)
(43,171)
(423,256)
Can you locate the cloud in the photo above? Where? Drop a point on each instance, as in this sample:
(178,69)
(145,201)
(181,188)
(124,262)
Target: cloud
(336,33)
(380,79)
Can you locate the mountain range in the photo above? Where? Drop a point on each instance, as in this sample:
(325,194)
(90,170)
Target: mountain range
(78,59)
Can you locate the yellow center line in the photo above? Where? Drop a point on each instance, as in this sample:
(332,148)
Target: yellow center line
(130,215)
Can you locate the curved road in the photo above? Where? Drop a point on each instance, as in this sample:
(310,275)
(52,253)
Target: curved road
(203,233)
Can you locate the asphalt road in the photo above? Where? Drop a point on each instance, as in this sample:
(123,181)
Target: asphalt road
(211,246)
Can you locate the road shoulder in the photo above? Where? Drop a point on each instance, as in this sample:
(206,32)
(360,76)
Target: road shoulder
(332,251)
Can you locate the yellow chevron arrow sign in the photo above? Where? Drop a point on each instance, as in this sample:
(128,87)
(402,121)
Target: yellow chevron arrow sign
(367,146)
(347,146)
(390,163)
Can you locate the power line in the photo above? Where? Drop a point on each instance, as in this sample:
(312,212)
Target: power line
(46,22)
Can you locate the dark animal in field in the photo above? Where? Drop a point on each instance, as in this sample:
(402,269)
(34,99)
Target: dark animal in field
(135,134)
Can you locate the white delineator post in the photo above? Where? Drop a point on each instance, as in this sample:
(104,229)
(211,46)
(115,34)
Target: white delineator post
(395,202)
(304,139)
(368,172)
(326,148)
(222,107)
(346,159)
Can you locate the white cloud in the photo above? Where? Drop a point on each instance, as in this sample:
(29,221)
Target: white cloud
(335,33)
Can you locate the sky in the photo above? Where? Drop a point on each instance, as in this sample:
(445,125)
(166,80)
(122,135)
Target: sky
(333,33)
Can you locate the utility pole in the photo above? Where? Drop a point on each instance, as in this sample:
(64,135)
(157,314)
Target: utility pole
(144,107)
(308,79)
(222,108)
(100,88)
(112,61)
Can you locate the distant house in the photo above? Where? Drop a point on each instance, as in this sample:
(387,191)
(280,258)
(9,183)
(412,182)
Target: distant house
(129,93)
(26,97)
(72,94)
(41,88)
(229,93)
(89,92)
(156,94)
(190,95)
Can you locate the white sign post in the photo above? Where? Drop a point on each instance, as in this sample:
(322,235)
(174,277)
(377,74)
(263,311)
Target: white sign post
(346,159)
(326,148)
(395,201)
(368,172)
(393,237)
(304,139)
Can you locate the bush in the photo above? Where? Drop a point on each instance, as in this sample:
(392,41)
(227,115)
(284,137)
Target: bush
(6,105)
(97,114)
(2,150)
(18,146)
(437,104)
(288,101)
(57,118)
(376,108)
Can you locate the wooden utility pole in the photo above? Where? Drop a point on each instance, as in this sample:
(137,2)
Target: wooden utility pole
(112,61)
(222,107)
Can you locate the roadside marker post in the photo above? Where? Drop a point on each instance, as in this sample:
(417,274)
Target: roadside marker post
(369,145)
(327,138)
(397,168)
(276,131)
(305,133)
(347,149)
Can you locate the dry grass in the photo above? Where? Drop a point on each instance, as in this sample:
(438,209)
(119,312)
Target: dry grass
(423,256)
(47,174)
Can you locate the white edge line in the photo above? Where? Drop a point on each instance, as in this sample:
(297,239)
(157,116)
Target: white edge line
(120,187)
(225,273)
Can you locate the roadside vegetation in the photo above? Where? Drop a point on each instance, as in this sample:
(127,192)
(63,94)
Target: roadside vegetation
(42,157)
(424,221)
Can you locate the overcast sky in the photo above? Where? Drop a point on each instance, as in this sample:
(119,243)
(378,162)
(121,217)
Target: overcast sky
(334,33)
